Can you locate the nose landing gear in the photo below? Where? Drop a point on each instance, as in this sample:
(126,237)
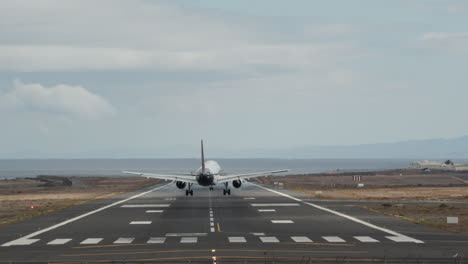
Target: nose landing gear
(211,188)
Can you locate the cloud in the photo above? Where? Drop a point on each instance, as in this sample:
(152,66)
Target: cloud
(63,99)
(452,42)
(145,35)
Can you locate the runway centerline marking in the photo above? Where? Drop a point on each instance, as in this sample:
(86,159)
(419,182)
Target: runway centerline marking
(27,239)
(154,211)
(352,218)
(333,239)
(282,221)
(140,222)
(124,240)
(266,210)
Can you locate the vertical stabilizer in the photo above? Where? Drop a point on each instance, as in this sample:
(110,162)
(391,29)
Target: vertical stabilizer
(202,157)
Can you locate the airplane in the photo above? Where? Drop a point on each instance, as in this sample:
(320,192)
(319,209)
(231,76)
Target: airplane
(208,175)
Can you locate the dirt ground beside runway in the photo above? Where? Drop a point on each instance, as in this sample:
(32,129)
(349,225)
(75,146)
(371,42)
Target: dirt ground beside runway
(48,194)
(404,184)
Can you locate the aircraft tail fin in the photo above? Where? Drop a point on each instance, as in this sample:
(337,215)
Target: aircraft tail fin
(202,157)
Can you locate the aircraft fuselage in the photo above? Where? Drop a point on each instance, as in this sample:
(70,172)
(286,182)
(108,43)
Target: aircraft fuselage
(207,177)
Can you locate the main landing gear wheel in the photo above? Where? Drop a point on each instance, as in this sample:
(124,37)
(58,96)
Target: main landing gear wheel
(228,192)
(187,192)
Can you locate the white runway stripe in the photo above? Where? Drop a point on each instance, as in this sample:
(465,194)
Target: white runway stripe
(140,222)
(144,205)
(400,238)
(301,239)
(124,240)
(21,242)
(212,229)
(273,204)
(156,240)
(366,239)
(282,222)
(266,210)
(91,241)
(185,234)
(271,239)
(249,198)
(237,239)
(154,211)
(333,239)
(189,240)
(59,241)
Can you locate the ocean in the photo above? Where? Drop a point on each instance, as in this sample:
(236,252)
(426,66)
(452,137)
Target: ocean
(22,168)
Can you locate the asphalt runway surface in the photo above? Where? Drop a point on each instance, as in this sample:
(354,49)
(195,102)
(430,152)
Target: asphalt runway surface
(255,224)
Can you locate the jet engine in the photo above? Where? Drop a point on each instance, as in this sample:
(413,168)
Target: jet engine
(181,185)
(236,183)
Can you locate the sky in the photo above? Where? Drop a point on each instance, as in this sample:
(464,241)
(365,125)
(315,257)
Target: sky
(151,78)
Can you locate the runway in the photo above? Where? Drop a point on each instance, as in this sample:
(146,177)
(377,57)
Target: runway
(256,224)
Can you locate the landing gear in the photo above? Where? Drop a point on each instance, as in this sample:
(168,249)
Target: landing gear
(189,190)
(226,189)
(211,188)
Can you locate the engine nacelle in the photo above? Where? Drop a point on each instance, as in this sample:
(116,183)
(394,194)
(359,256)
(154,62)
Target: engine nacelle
(237,183)
(181,185)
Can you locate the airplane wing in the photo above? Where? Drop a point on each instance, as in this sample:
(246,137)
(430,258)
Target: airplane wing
(184,178)
(247,176)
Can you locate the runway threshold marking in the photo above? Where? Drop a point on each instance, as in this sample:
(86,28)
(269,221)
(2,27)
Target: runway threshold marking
(401,237)
(27,240)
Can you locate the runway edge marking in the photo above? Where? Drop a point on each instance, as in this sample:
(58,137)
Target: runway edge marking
(26,240)
(352,218)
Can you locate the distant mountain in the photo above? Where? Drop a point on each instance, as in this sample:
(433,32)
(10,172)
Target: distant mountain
(456,148)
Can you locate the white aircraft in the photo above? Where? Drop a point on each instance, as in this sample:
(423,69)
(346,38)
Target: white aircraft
(207,175)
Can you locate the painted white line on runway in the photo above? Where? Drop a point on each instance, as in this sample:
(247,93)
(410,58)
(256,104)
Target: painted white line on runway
(333,239)
(282,222)
(144,205)
(269,239)
(91,241)
(124,240)
(185,234)
(301,239)
(366,239)
(211,219)
(400,239)
(237,239)
(273,204)
(189,240)
(211,224)
(212,229)
(170,199)
(154,211)
(27,239)
(140,222)
(258,234)
(156,240)
(266,210)
(352,218)
(249,198)
(20,242)
(59,241)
